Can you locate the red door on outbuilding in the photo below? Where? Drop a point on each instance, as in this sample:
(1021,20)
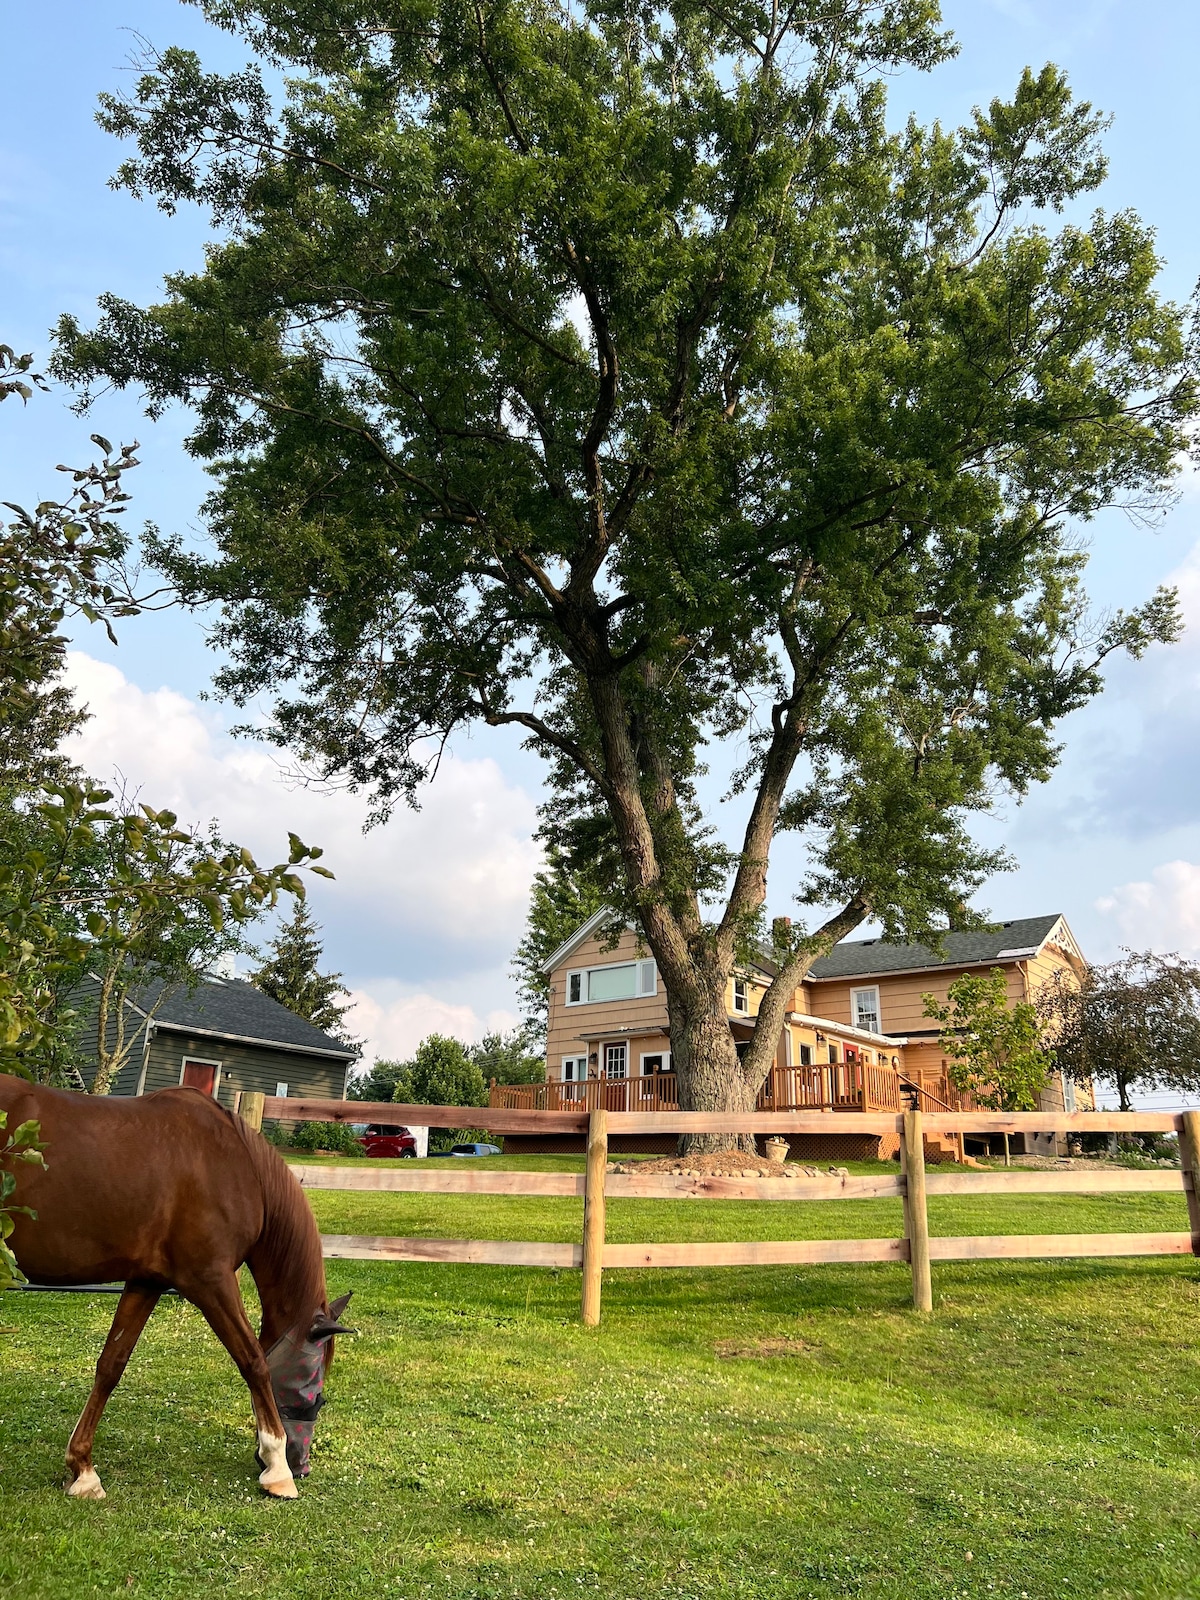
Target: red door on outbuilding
(201,1075)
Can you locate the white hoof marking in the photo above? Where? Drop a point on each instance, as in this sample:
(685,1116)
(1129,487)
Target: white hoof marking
(275,1478)
(87,1486)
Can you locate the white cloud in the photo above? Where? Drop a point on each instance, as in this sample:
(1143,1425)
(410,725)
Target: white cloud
(1161,913)
(392,1028)
(433,892)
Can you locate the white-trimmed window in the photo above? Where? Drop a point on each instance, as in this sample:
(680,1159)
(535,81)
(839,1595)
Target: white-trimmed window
(741,995)
(656,1061)
(864,1009)
(616,1060)
(281,1091)
(620,980)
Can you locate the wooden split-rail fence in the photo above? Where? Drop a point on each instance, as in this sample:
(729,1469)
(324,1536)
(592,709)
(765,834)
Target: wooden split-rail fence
(593,1253)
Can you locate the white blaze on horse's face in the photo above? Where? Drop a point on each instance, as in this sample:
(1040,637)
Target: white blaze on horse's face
(297,1366)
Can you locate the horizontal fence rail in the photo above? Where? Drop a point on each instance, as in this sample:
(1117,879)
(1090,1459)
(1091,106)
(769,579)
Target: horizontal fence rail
(497,1120)
(912,1185)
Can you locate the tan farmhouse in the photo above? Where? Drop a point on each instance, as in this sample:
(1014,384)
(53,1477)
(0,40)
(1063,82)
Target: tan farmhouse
(855,1037)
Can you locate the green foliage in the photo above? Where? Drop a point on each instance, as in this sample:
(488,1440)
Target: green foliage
(441,1073)
(61,559)
(23,1145)
(325,1136)
(995,1049)
(1133,1023)
(620,375)
(377,1084)
(508,1058)
(90,890)
(290,974)
(17,375)
(562,898)
(125,894)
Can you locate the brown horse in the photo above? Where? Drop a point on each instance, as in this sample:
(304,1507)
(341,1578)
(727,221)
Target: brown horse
(171,1191)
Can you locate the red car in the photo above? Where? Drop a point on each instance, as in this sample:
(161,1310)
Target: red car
(379,1141)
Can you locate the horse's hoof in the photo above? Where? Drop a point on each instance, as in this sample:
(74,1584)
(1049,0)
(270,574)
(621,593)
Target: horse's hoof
(87,1486)
(278,1488)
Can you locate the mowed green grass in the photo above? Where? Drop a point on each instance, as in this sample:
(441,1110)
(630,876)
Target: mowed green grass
(771,1432)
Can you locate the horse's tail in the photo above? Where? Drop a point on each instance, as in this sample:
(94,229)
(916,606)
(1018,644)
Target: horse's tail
(285,1260)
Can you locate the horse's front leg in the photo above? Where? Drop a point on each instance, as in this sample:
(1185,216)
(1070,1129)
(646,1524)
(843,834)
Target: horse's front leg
(137,1301)
(221,1303)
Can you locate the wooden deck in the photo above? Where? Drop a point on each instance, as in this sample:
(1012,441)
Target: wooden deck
(838,1086)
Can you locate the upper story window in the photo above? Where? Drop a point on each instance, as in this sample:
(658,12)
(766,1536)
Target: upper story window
(623,980)
(741,995)
(864,1009)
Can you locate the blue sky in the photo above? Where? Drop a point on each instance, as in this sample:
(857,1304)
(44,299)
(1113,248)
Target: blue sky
(425,912)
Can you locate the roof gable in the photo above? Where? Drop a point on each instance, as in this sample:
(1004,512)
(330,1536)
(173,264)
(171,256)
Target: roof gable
(599,919)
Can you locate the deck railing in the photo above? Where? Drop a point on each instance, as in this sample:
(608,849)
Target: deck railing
(835,1086)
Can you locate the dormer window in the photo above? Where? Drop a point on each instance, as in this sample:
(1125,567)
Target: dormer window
(741,995)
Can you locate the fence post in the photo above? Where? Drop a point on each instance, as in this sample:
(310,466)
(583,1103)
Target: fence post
(1189,1151)
(916,1215)
(252,1108)
(593,1215)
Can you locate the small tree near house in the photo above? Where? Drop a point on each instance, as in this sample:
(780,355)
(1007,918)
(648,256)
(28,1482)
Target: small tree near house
(122,899)
(993,1050)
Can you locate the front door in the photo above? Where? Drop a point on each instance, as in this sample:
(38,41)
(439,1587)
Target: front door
(201,1075)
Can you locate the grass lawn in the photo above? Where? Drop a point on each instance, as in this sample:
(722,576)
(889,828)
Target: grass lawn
(754,1433)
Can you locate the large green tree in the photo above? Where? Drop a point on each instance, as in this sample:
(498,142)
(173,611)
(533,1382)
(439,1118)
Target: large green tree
(616,373)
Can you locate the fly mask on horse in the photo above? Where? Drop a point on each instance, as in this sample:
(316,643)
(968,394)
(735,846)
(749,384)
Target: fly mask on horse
(297,1365)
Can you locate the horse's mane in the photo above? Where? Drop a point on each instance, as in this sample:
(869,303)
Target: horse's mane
(287,1253)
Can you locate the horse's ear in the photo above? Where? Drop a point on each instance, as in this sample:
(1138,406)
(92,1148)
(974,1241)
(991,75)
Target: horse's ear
(326,1324)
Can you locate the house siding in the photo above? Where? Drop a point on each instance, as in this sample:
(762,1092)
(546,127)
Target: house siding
(573,1030)
(244,1068)
(820,1016)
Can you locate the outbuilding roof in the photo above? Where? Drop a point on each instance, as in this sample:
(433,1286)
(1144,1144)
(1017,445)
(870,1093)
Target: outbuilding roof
(231,1008)
(1009,941)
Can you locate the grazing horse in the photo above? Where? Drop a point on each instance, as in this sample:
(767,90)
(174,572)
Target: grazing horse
(169,1190)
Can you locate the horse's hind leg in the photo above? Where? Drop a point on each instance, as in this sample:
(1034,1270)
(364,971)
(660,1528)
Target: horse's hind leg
(221,1303)
(137,1301)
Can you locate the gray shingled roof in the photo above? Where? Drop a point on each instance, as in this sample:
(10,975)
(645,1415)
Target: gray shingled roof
(236,1009)
(865,957)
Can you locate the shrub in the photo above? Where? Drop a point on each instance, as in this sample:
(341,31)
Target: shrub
(326,1136)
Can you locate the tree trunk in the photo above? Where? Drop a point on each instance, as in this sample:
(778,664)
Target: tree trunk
(706,1064)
